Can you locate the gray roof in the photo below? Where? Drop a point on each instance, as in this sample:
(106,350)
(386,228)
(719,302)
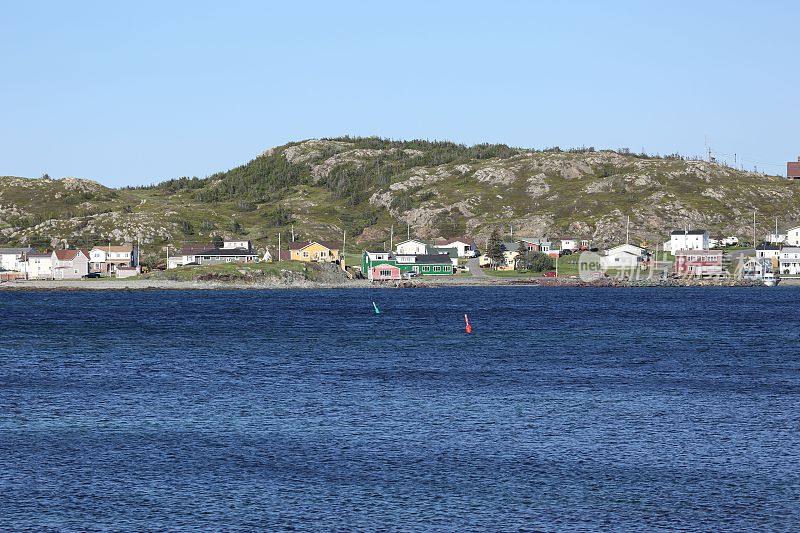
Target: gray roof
(511,246)
(433,259)
(15,251)
(689,232)
(225,252)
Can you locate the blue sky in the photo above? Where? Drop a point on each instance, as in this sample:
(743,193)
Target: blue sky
(132,93)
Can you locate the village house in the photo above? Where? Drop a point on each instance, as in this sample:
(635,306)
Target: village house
(767,251)
(695,239)
(776,238)
(230,252)
(70,264)
(536,244)
(510,255)
(412,247)
(314,251)
(755,268)
(624,256)
(237,245)
(107,259)
(793,169)
(570,244)
(215,256)
(40,265)
(793,236)
(698,263)
(384,272)
(790,261)
(13,259)
(408,264)
(464,246)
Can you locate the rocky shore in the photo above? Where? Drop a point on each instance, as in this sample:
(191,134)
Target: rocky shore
(284,283)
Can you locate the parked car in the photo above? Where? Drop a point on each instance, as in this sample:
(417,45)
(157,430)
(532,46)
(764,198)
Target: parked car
(550,274)
(409,275)
(91,275)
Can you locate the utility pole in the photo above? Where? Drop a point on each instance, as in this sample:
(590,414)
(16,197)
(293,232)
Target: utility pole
(292,232)
(627,230)
(167,264)
(754,228)
(344,243)
(279,246)
(512,231)
(408,228)
(391,238)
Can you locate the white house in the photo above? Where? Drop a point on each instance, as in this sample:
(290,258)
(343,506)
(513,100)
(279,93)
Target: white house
(412,247)
(236,245)
(510,255)
(793,236)
(108,258)
(70,264)
(790,261)
(13,258)
(776,238)
(569,244)
(768,251)
(623,256)
(755,268)
(693,239)
(40,265)
(465,246)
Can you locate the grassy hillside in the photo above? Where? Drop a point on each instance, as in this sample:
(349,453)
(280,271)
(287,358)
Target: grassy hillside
(366,185)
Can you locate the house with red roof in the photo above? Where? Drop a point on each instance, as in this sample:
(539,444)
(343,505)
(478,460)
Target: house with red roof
(70,264)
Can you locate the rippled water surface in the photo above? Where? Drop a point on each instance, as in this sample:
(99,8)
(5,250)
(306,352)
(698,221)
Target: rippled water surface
(566,409)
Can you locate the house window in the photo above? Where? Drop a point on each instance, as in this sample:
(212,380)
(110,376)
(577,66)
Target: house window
(437,269)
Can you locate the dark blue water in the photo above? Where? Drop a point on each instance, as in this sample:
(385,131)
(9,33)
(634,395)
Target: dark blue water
(567,409)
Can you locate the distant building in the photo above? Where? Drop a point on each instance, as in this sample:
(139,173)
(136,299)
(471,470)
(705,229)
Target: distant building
(510,254)
(215,256)
(465,246)
(793,236)
(755,268)
(70,264)
(314,251)
(412,247)
(108,258)
(14,258)
(793,169)
(776,238)
(570,244)
(40,265)
(767,251)
(698,263)
(237,245)
(692,239)
(623,256)
(421,265)
(790,261)
(209,255)
(384,272)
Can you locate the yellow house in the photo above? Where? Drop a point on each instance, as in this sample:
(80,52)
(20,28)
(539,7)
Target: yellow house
(317,251)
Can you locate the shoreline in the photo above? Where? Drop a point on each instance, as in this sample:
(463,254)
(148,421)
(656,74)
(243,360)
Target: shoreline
(277,284)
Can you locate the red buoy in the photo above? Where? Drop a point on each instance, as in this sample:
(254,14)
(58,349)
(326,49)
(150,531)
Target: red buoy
(468,329)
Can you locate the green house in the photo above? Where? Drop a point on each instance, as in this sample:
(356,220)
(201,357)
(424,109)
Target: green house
(422,265)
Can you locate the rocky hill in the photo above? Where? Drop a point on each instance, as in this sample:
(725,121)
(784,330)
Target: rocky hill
(366,185)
